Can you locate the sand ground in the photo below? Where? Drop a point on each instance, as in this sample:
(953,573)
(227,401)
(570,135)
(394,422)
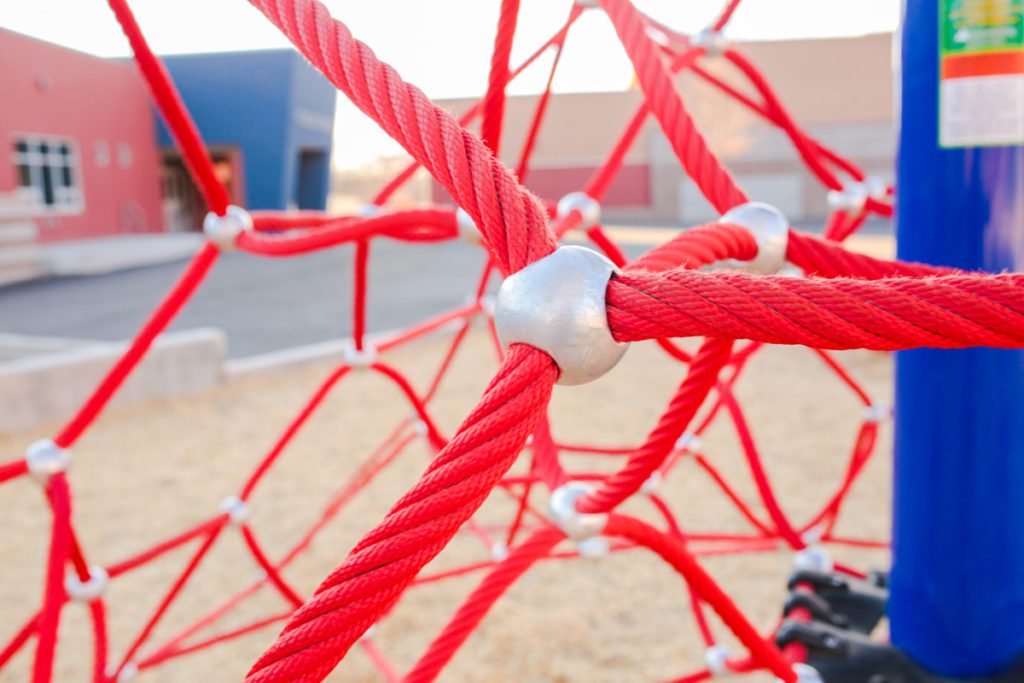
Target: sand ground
(147,471)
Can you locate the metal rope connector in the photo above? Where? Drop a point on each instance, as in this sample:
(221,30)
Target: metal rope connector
(236,509)
(712,41)
(224,230)
(562,512)
(716,659)
(45,459)
(850,199)
(813,558)
(589,208)
(557,305)
(770,229)
(89,590)
(805,673)
(360,358)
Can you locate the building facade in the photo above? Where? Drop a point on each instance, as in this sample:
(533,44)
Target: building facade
(839,89)
(85,156)
(79,143)
(268,119)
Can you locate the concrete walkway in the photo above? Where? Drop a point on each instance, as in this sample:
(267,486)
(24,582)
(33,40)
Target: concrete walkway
(120,252)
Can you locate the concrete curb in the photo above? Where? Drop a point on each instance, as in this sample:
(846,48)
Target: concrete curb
(50,386)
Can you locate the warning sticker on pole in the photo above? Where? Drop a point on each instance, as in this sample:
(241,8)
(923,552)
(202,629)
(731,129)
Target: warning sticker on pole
(981,73)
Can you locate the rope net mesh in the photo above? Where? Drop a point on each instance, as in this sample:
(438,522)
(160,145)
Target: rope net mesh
(842,300)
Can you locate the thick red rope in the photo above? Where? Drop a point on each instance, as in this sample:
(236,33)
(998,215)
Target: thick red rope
(388,558)
(953,311)
(512,221)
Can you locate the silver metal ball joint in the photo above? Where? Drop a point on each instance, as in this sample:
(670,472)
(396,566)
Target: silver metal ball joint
(44,459)
(713,42)
(89,590)
(236,509)
(557,304)
(716,659)
(467,227)
(589,208)
(223,230)
(562,512)
(770,229)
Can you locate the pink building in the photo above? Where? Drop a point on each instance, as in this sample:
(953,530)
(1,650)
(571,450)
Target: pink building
(82,159)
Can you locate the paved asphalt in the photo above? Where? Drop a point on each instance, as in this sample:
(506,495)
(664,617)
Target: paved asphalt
(262,304)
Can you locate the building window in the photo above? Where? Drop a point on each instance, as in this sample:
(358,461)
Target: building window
(48,171)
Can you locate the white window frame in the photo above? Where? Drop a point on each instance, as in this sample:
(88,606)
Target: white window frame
(68,199)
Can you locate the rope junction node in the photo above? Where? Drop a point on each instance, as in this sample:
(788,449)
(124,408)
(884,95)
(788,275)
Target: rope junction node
(593,306)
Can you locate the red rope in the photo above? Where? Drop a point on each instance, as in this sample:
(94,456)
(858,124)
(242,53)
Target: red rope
(656,82)
(677,417)
(952,311)
(379,568)
(513,223)
(479,603)
(673,551)
(53,594)
(169,103)
(494,99)
(889,305)
(157,322)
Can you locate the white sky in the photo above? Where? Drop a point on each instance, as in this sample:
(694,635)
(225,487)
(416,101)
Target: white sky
(443,46)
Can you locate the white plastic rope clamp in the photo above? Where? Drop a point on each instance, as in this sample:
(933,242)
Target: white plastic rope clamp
(563,513)
(236,509)
(877,412)
(711,40)
(716,659)
(589,208)
(877,188)
(557,304)
(360,358)
(89,590)
(770,230)
(813,558)
(224,230)
(805,673)
(850,199)
(44,459)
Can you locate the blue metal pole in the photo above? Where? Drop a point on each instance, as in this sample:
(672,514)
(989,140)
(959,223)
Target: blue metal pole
(957,582)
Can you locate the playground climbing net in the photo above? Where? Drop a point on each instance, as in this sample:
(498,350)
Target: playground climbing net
(716,281)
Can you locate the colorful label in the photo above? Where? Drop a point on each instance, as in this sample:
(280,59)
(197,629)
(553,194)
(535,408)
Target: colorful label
(981,73)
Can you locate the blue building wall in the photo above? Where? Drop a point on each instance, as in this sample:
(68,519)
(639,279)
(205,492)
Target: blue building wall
(275,109)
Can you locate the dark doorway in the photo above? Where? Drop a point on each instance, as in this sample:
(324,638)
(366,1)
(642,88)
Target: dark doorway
(311,180)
